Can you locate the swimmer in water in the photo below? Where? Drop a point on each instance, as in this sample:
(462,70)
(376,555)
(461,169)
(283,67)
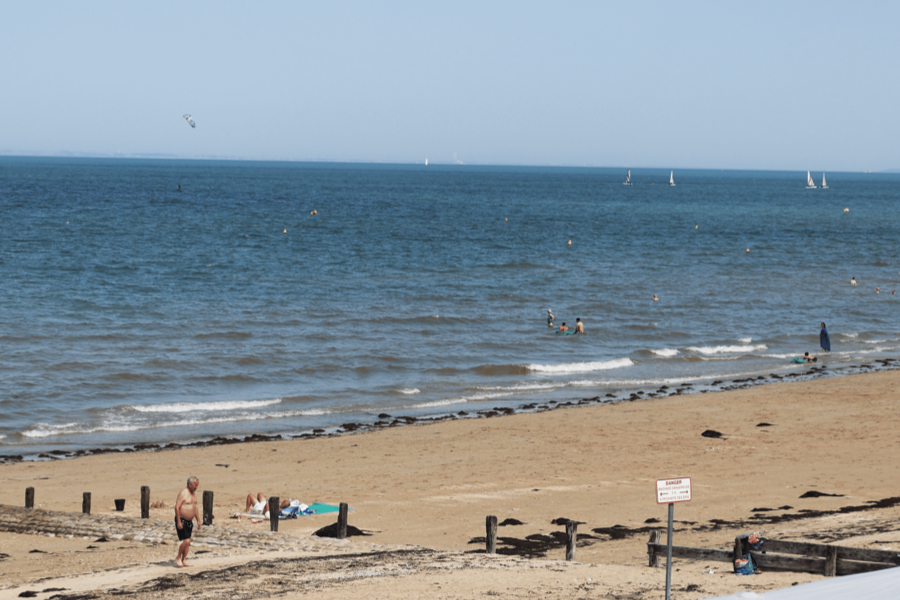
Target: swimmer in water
(563,327)
(809,358)
(878,290)
(655,299)
(579,327)
(853,281)
(549,318)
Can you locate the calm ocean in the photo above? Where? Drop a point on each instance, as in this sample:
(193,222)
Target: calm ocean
(133,312)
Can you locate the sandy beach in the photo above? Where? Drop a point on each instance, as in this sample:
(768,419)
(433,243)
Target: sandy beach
(423,493)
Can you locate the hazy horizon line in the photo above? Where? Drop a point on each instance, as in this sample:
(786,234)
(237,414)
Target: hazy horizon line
(170,156)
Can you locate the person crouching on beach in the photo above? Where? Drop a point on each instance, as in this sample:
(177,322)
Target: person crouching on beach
(186,510)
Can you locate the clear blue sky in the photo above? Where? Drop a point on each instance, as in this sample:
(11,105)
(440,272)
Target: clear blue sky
(762,85)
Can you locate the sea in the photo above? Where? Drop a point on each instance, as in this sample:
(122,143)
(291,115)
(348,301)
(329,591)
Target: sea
(160,301)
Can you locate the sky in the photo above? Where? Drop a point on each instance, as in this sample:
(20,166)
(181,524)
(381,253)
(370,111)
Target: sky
(761,85)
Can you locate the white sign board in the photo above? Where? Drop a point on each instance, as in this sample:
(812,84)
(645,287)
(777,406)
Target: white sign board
(677,489)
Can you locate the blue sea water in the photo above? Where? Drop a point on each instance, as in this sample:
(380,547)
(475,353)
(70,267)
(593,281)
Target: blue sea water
(133,312)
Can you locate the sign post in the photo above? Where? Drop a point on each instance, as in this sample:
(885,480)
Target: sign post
(670,491)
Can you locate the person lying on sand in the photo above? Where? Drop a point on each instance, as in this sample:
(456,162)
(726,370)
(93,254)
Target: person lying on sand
(261,504)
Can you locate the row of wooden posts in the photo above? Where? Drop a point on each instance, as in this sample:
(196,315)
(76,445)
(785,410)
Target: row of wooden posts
(491,537)
(274,509)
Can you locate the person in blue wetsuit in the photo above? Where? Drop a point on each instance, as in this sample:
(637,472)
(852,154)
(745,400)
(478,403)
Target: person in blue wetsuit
(824,340)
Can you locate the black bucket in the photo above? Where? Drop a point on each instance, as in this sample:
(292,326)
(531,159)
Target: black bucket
(120,504)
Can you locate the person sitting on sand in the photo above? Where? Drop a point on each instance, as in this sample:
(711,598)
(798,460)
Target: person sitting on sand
(579,327)
(563,327)
(186,510)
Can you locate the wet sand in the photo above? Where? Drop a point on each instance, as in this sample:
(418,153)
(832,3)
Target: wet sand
(432,486)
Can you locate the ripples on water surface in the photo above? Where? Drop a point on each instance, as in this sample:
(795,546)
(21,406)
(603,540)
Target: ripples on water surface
(132,312)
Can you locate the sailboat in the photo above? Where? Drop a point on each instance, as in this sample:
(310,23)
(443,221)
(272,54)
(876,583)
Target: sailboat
(628,178)
(810,185)
(672,178)
(824,185)
(426,162)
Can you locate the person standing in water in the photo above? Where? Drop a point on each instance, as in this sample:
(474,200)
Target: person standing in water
(824,340)
(549,318)
(579,326)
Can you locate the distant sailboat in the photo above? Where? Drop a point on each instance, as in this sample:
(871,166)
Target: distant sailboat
(672,178)
(426,162)
(824,185)
(810,184)
(628,178)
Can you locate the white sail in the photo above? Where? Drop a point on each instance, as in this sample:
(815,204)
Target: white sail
(628,178)
(810,184)
(824,185)
(672,178)
(426,162)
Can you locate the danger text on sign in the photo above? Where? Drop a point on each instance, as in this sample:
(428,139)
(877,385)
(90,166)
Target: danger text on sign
(677,489)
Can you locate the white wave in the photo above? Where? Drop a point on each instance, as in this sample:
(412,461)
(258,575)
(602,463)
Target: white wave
(745,340)
(665,352)
(445,402)
(522,387)
(410,391)
(183,407)
(2,436)
(849,335)
(874,341)
(582,367)
(42,430)
(727,349)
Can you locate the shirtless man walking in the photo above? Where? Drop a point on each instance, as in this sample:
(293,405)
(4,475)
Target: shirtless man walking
(186,510)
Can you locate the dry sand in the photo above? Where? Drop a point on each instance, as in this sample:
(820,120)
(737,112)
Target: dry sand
(433,485)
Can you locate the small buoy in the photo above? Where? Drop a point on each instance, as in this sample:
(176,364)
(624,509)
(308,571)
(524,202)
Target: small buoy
(748,249)
(846,210)
(570,242)
(285,230)
(655,299)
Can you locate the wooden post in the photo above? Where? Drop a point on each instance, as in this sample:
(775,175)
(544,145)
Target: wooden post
(86,503)
(342,521)
(831,561)
(651,547)
(207,507)
(571,535)
(274,509)
(738,547)
(490,526)
(145,501)
(29,497)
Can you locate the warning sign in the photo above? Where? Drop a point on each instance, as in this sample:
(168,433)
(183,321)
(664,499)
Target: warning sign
(677,489)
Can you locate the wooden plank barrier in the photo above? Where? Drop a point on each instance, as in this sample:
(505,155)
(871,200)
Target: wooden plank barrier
(29,497)
(86,503)
(824,559)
